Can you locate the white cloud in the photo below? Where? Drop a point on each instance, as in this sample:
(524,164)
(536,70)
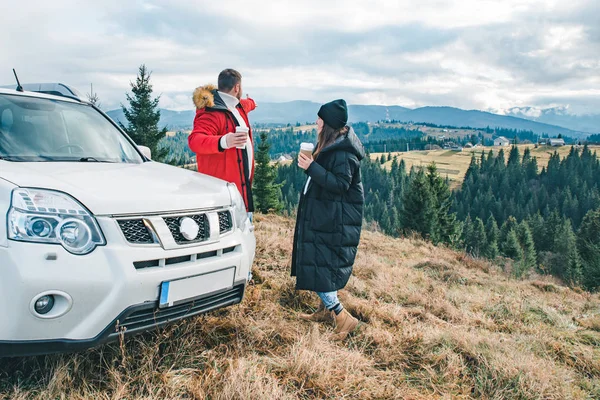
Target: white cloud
(472,54)
(359,15)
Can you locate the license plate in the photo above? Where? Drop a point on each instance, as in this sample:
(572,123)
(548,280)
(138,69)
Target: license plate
(187,289)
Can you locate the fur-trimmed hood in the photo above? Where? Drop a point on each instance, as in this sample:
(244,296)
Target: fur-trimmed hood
(204,96)
(207,97)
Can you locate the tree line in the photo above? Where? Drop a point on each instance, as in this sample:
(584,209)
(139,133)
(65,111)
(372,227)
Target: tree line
(546,218)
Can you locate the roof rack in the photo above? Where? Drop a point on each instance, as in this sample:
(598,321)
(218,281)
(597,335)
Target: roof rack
(55,89)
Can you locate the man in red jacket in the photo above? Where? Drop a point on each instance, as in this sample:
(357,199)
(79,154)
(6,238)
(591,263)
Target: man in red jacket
(220,151)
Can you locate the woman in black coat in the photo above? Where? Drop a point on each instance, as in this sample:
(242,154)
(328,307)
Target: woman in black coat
(330,216)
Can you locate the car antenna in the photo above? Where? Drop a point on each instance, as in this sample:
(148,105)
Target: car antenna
(19,87)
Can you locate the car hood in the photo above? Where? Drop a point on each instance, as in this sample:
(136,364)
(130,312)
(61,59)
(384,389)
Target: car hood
(118,189)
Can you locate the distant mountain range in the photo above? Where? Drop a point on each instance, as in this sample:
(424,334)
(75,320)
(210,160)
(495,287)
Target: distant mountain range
(559,116)
(306,111)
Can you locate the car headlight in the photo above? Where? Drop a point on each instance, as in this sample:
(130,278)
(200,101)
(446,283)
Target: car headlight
(239,208)
(45,216)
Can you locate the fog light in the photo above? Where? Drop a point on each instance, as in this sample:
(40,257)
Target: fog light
(44,304)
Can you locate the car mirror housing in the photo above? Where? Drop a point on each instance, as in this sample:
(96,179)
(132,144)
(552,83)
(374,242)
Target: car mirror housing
(146,152)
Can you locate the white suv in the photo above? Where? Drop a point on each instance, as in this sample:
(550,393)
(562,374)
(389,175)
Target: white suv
(96,240)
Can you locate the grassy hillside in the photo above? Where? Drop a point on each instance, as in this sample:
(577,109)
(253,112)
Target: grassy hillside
(454,164)
(437,325)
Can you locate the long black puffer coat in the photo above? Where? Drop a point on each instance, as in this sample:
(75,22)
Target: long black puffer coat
(330,217)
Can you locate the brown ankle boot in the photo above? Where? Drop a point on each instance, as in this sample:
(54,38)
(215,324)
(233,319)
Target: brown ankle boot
(344,324)
(321,315)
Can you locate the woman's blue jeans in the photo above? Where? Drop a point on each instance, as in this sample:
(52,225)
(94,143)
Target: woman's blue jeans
(330,299)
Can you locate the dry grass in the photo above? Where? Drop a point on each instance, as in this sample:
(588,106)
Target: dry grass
(438,324)
(454,164)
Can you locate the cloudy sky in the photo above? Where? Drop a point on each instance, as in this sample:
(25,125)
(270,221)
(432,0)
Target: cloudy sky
(472,54)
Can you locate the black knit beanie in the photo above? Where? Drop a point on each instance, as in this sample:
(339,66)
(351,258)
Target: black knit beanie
(334,113)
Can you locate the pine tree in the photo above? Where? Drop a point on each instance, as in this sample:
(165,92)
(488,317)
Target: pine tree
(467,233)
(482,160)
(530,165)
(417,206)
(394,220)
(143,115)
(553,170)
(567,261)
(553,229)
(489,162)
(476,243)
(538,230)
(385,222)
(395,168)
(500,161)
(588,243)
(492,235)
(511,246)
(445,227)
(514,159)
(93,97)
(509,225)
(402,167)
(473,170)
(267,194)
(529,258)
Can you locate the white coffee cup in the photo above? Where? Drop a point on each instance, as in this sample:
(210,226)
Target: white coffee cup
(307,149)
(241,129)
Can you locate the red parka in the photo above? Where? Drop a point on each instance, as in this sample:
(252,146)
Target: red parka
(212,121)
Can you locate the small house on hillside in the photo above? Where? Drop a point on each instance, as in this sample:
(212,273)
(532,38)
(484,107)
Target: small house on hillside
(556,142)
(501,141)
(284,159)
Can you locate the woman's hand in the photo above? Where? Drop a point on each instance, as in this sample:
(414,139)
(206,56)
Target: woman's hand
(304,161)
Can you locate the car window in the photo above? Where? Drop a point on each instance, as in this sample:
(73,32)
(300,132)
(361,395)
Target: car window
(33,129)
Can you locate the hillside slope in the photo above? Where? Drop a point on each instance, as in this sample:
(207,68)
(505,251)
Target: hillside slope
(437,325)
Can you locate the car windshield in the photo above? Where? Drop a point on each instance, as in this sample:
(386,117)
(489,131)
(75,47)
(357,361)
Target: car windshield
(42,130)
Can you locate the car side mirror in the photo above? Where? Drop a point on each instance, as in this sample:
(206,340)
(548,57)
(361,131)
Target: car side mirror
(146,152)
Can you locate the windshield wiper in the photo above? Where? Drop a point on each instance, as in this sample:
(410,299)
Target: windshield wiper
(92,159)
(52,159)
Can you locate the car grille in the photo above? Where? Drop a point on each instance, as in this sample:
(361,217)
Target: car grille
(138,231)
(200,219)
(151,316)
(225,223)
(135,231)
